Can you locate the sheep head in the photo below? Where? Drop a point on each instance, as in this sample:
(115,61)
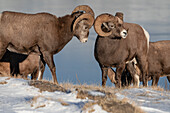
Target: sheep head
(83,22)
(109,25)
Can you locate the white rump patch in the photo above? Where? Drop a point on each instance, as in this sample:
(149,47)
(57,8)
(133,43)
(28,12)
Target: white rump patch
(147,36)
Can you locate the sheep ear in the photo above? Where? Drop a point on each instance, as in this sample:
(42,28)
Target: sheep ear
(120,15)
(119,20)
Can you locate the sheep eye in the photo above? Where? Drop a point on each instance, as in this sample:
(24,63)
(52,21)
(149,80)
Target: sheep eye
(86,27)
(112,26)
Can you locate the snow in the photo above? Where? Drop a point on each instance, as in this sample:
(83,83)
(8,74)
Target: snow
(17,96)
(97,109)
(96,93)
(151,101)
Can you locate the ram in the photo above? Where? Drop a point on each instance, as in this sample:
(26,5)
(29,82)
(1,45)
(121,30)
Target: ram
(43,33)
(158,63)
(118,43)
(14,63)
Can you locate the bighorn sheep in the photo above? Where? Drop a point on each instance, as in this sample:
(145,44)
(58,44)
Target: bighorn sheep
(14,63)
(158,62)
(119,42)
(43,33)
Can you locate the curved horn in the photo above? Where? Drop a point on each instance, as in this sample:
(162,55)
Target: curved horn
(85,16)
(85,8)
(98,23)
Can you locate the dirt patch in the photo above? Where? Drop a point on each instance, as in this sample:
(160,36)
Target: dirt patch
(3,82)
(47,86)
(108,102)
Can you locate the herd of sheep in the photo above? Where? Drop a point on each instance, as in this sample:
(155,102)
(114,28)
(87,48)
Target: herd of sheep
(29,41)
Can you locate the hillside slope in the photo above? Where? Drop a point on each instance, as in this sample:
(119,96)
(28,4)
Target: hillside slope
(23,96)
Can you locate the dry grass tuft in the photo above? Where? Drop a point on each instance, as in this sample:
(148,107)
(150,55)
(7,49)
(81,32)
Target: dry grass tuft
(3,82)
(63,103)
(41,106)
(67,85)
(34,101)
(109,103)
(7,78)
(157,88)
(89,107)
(47,86)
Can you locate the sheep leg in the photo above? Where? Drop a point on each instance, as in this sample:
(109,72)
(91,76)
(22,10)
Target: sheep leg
(119,71)
(14,67)
(155,80)
(38,73)
(111,74)
(124,78)
(133,72)
(48,58)
(104,75)
(143,65)
(34,74)
(2,49)
(168,77)
(41,68)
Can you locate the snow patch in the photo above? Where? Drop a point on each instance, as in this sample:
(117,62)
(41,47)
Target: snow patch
(96,93)
(17,96)
(150,100)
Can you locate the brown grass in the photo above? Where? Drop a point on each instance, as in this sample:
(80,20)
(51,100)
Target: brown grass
(47,86)
(89,107)
(63,103)
(34,100)
(7,78)
(157,88)
(109,102)
(3,82)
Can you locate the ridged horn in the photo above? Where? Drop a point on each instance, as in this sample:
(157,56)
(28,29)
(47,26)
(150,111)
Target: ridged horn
(85,16)
(100,20)
(85,8)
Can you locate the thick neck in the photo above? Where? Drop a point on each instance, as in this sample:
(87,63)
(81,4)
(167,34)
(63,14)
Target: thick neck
(65,27)
(65,33)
